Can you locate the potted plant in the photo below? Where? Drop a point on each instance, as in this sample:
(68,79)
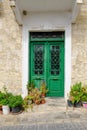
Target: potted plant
(29,98)
(1,97)
(27,103)
(43,100)
(43,89)
(38,101)
(16,102)
(76,94)
(84,100)
(30,86)
(84,97)
(4,101)
(5,106)
(69,101)
(35,95)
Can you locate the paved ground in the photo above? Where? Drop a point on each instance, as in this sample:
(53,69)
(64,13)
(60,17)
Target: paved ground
(52,126)
(50,116)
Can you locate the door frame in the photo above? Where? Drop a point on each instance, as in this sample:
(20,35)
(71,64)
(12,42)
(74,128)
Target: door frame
(25,53)
(49,41)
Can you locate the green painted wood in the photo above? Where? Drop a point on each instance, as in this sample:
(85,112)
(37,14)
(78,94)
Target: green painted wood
(35,74)
(52,58)
(56,81)
(45,39)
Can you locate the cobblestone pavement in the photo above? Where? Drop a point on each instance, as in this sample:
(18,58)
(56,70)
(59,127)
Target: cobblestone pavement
(53,115)
(51,126)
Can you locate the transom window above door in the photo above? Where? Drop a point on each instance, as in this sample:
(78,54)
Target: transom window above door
(40,35)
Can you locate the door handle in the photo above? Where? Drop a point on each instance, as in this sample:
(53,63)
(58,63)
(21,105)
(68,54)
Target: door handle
(55,79)
(38,78)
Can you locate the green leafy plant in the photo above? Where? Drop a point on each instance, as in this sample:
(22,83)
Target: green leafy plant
(30,86)
(84,96)
(5,102)
(15,100)
(76,93)
(4,96)
(43,88)
(25,104)
(30,96)
(36,94)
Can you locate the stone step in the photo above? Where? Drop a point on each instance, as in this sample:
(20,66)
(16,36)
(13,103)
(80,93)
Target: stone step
(55,102)
(54,110)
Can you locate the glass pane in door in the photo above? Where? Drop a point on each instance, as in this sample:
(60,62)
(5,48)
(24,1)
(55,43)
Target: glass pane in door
(55,60)
(38,60)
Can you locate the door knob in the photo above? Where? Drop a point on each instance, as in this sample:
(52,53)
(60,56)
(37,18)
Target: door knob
(38,78)
(55,79)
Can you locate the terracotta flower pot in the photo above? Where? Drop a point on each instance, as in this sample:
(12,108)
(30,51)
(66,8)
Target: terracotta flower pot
(37,102)
(43,101)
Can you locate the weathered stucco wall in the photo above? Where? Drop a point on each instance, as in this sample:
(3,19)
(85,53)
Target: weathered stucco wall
(79,47)
(10,50)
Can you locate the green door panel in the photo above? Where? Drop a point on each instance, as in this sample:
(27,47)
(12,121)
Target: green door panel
(56,69)
(47,63)
(37,67)
(55,87)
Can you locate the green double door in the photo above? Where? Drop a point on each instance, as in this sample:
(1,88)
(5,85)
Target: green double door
(47,64)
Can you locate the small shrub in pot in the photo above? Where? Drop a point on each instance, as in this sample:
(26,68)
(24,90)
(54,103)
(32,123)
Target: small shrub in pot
(16,102)
(75,94)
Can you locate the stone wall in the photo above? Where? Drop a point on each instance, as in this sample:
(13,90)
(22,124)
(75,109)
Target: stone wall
(10,50)
(79,47)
